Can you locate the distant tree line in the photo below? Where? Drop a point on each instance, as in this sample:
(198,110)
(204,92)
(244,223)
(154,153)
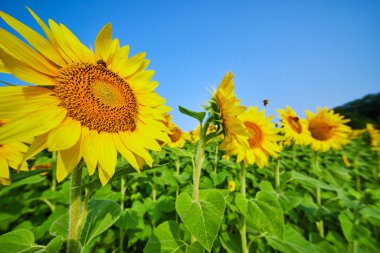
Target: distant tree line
(362,111)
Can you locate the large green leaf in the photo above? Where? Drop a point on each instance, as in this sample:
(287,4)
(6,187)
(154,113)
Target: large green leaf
(309,181)
(60,226)
(18,240)
(293,242)
(196,115)
(203,217)
(168,237)
(101,215)
(263,213)
(347,225)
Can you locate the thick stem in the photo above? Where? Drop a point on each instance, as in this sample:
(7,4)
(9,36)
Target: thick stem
(53,168)
(122,199)
(177,166)
(278,183)
(243,226)
(73,244)
(317,170)
(216,158)
(154,192)
(199,158)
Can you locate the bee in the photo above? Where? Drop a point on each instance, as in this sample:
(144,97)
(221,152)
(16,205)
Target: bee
(101,62)
(265,102)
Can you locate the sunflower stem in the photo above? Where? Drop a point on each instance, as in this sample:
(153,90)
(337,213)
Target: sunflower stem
(177,166)
(53,168)
(216,158)
(73,243)
(243,226)
(122,199)
(278,183)
(317,170)
(199,158)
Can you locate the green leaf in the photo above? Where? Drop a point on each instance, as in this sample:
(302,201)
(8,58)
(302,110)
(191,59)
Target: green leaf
(309,181)
(203,217)
(54,245)
(263,213)
(289,200)
(231,242)
(180,152)
(101,215)
(166,238)
(196,115)
(293,242)
(17,241)
(346,225)
(60,226)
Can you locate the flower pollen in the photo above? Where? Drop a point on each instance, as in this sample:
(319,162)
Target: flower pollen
(320,129)
(97,97)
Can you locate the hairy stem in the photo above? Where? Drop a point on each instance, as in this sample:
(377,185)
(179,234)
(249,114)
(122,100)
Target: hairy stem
(243,226)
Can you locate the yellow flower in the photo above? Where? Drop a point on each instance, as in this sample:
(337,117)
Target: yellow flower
(226,157)
(231,186)
(11,155)
(90,105)
(294,128)
(226,108)
(327,129)
(374,134)
(263,137)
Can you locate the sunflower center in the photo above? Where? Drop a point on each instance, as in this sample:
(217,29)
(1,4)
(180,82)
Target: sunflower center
(175,135)
(294,123)
(97,97)
(320,129)
(255,134)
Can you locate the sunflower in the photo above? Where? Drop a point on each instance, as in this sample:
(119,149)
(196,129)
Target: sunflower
(176,135)
(11,155)
(226,108)
(89,105)
(294,128)
(374,135)
(327,129)
(263,137)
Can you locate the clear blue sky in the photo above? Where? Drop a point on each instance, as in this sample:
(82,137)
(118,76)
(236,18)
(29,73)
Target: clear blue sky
(298,53)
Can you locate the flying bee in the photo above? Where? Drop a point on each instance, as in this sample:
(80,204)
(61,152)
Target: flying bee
(265,102)
(101,62)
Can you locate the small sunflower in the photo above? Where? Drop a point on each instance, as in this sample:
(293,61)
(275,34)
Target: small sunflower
(226,108)
(231,186)
(263,137)
(176,135)
(11,156)
(89,105)
(374,135)
(294,128)
(327,129)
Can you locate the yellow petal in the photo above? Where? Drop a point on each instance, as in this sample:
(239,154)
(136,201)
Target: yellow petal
(5,181)
(37,146)
(103,43)
(141,135)
(125,152)
(90,142)
(106,152)
(34,38)
(132,65)
(135,147)
(151,99)
(23,71)
(4,169)
(103,175)
(76,46)
(31,124)
(12,45)
(119,60)
(65,135)
(62,42)
(67,160)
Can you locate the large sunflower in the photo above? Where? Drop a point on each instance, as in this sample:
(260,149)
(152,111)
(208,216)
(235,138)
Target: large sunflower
(263,137)
(327,129)
(226,108)
(293,127)
(90,105)
(11,155)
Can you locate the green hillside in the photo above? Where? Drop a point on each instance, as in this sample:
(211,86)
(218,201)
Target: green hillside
(362,111)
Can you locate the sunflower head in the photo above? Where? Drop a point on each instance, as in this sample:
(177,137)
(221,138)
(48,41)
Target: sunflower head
(91,104)
(374,135)
(294,128)
(263,137)
(225,109)
(231,186)
(327,129)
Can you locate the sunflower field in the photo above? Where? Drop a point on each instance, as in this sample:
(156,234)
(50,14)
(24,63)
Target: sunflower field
(91,161)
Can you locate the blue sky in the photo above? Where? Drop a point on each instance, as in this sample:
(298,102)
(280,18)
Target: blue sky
(299,53)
